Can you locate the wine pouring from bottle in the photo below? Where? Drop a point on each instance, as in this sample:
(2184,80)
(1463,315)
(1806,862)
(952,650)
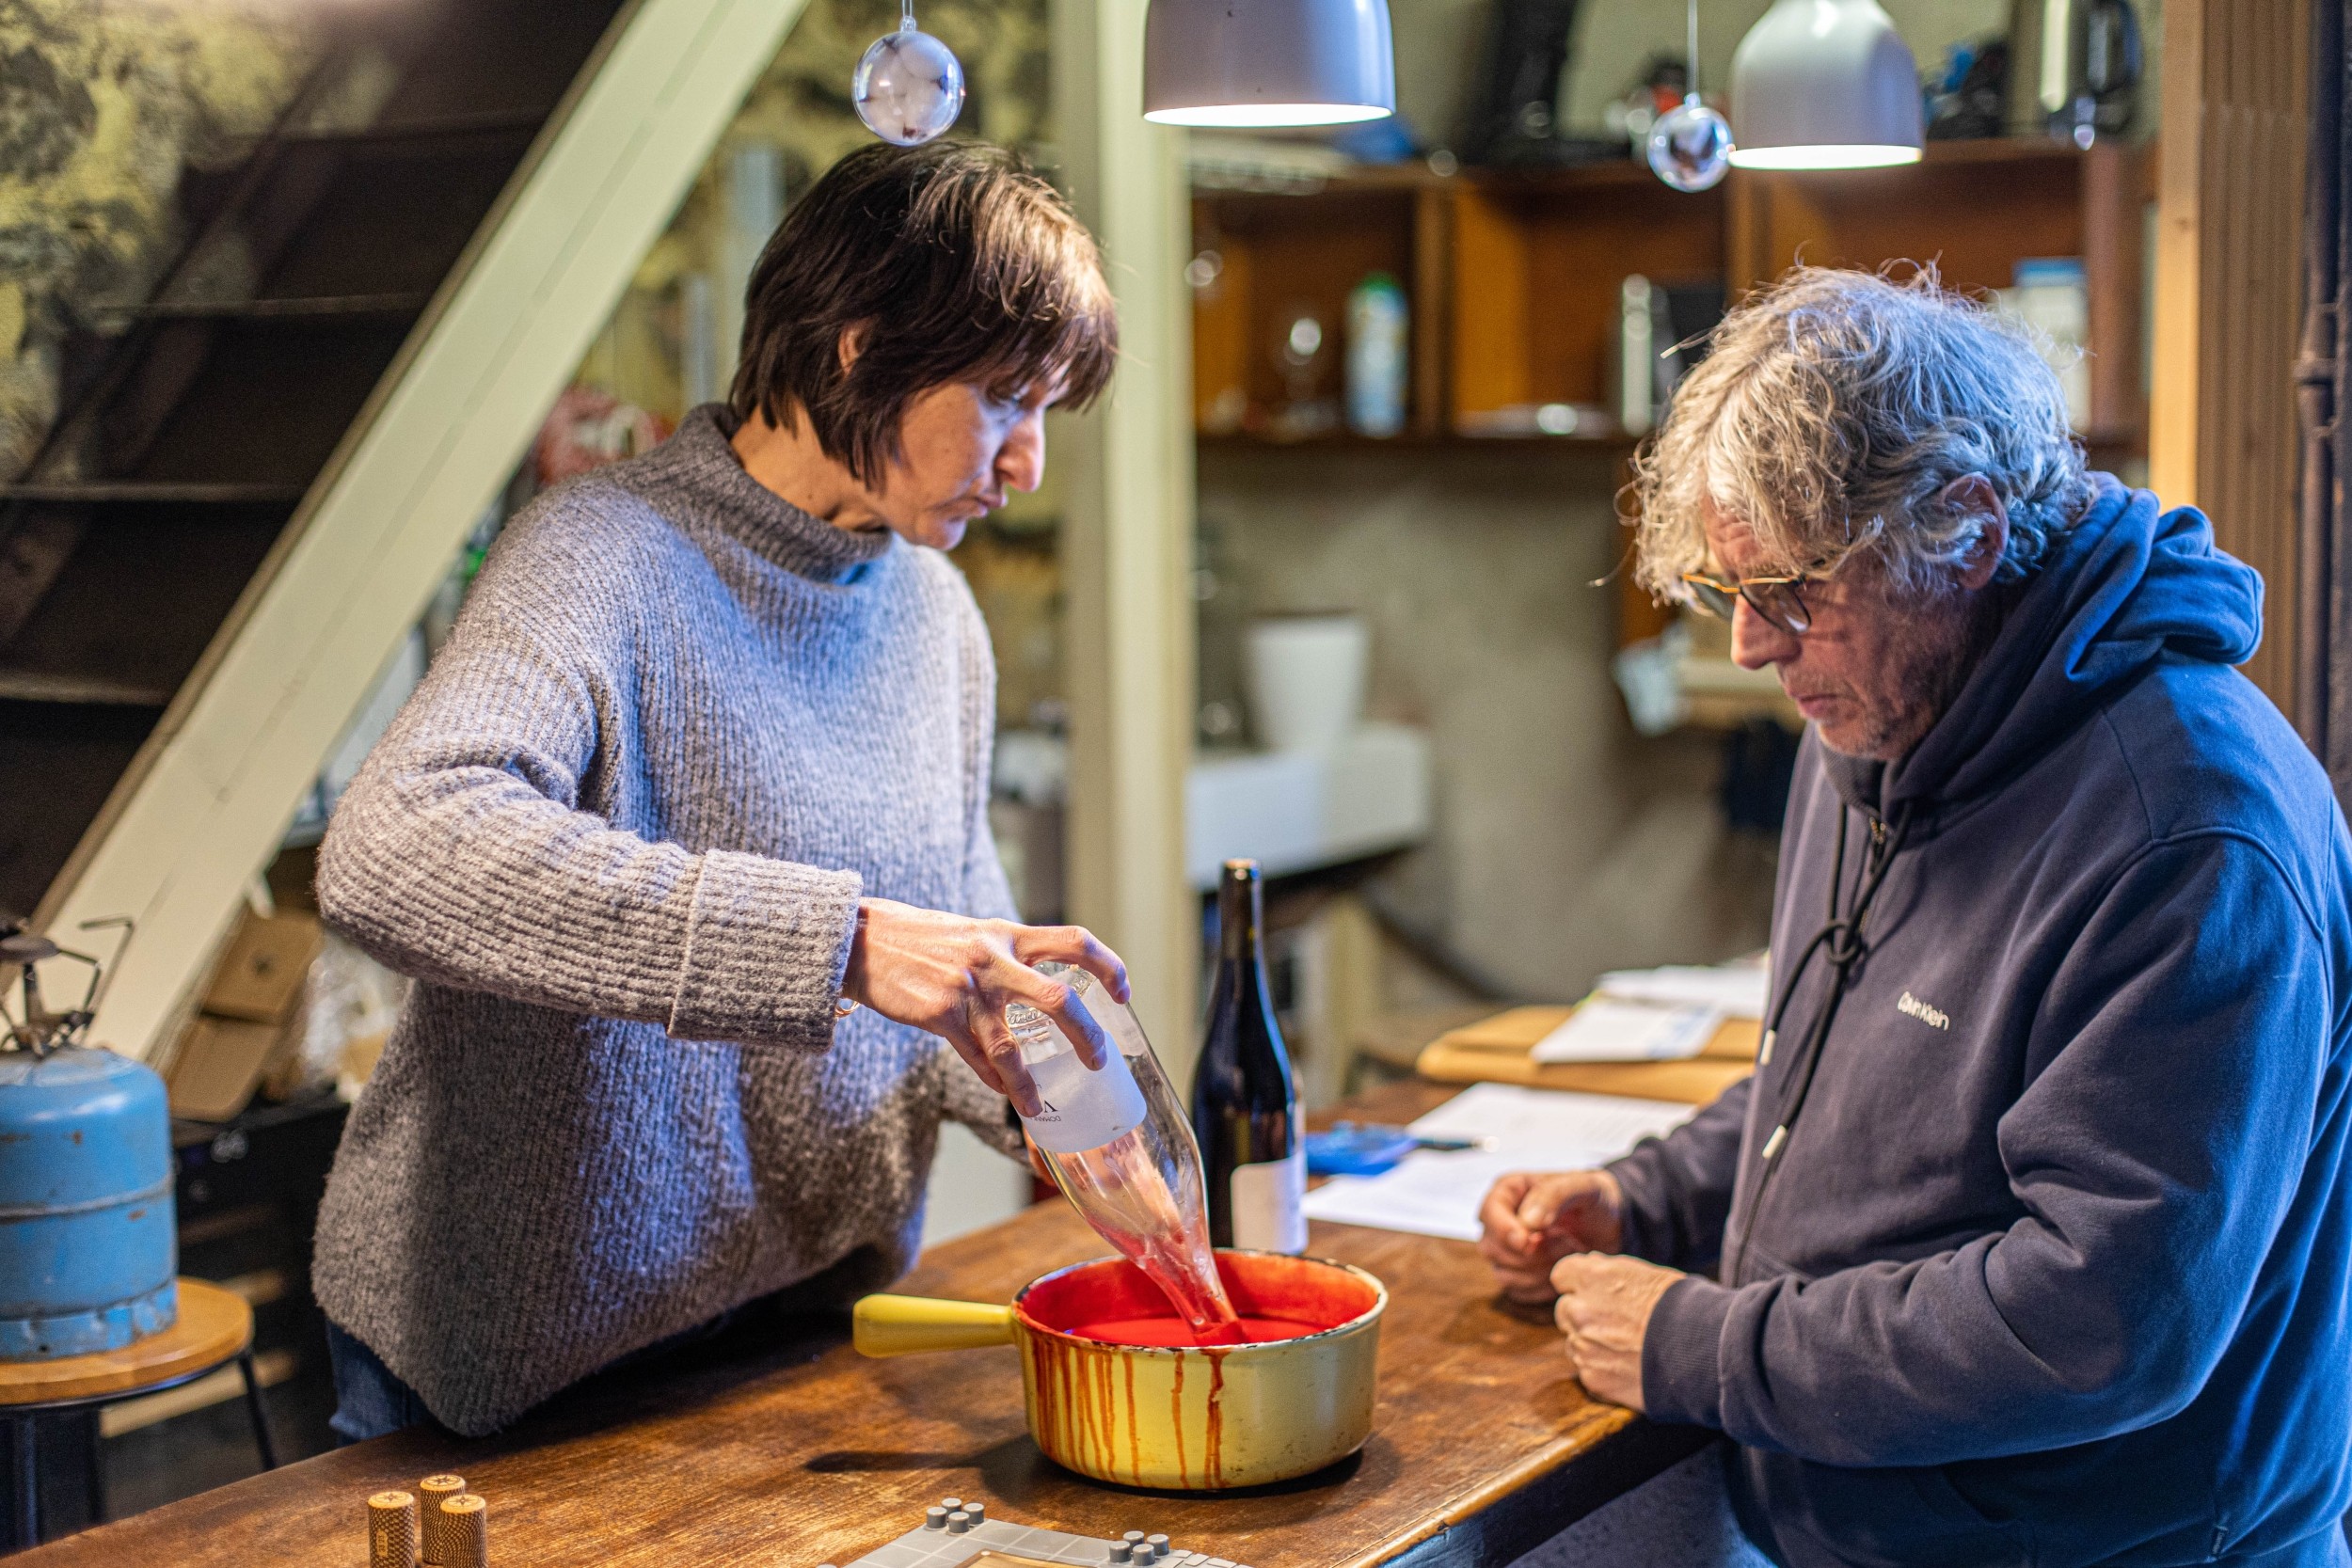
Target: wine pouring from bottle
(1244,1101)
(1116,1141)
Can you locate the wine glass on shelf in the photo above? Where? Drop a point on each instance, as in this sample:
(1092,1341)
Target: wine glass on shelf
(1300,354)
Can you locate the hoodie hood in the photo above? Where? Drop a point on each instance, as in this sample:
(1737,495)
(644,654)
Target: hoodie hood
(2127,586)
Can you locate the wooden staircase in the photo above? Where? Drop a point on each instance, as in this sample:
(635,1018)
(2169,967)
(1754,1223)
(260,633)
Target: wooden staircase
(197,430)
(256,485)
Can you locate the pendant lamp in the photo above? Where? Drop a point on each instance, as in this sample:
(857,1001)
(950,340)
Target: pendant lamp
(1824,83)
(1264,63)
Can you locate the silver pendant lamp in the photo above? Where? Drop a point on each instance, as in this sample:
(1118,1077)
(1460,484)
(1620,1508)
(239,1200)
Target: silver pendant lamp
(1824,83)
(1267,63)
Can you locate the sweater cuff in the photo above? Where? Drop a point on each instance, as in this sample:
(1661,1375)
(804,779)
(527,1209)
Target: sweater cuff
(1680,1353)
(766,943)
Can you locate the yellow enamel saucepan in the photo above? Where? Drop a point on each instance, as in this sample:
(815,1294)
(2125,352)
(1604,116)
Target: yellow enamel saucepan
(1189,1418)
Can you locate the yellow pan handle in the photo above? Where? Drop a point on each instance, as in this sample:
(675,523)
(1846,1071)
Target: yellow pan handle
(904,1325)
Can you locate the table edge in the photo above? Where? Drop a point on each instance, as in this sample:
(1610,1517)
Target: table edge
(1519,1510)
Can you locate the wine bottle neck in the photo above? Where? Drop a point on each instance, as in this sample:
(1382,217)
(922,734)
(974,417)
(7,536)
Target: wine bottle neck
(1239,910)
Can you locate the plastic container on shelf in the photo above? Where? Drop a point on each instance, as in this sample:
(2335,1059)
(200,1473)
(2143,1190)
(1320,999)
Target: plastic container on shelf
(2052,295)
(1377,356)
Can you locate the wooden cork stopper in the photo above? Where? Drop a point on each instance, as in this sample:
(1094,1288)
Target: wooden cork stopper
(464,1536)
(432,1491)
(393,1530)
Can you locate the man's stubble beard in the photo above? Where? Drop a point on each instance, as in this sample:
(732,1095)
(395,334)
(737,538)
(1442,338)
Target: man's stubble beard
(1939,647)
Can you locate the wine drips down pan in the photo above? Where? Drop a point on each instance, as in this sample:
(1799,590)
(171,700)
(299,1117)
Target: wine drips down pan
(1189,1418)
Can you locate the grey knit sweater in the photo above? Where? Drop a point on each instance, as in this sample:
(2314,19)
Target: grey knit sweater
(619,835)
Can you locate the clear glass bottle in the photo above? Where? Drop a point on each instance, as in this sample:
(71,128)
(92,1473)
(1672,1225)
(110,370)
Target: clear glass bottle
(1120,1148)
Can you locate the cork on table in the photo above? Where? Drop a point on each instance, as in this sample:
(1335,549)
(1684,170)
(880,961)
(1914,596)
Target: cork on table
(432,1531)
(392,1529)
(800,1452)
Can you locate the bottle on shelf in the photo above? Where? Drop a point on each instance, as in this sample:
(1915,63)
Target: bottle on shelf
(1245,1114)
(1375,356)
(1117,1144)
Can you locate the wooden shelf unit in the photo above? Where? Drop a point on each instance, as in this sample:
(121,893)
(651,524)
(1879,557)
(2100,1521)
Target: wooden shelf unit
(1285,253)
(1512,277)
(1542,262)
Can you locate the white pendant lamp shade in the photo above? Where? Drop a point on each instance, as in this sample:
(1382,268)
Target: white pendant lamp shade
(1256,63)
(1824,83)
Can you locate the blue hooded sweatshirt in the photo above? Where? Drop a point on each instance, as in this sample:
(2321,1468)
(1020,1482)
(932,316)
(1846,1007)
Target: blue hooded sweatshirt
(2052,1266)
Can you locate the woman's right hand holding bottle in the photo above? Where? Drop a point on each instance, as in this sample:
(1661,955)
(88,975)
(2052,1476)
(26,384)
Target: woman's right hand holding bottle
(954,977)
(1533,1219)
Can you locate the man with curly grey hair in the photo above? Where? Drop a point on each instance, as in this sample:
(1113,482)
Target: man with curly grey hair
(2027,1240)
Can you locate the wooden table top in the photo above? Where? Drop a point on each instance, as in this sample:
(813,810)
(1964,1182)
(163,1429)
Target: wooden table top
(796,1451)
(214,1327)
(1496,1050)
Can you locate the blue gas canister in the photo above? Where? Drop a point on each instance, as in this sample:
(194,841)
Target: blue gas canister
(89,1247)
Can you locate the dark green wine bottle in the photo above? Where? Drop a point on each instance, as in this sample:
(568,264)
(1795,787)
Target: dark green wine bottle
(1245,1102)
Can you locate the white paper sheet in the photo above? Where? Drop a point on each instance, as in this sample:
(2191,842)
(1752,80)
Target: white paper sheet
(1434,1194)
(1604,1029)
(1738,990)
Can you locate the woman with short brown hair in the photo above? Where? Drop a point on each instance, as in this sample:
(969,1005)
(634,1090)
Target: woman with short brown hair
(702,768)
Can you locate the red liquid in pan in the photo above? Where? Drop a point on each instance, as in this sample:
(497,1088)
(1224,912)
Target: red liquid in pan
(1280,1298)
(1175,1331)
(1123,1193)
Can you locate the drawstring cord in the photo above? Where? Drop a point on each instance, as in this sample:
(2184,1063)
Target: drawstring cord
(1841,939)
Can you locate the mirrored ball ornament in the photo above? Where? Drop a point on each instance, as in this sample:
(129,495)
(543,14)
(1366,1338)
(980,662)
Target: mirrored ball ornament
(909,88)
(1689,146)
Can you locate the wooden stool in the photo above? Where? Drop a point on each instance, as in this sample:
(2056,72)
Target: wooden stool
(215,1327)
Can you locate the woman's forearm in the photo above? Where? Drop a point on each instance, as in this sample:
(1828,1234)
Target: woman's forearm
(462,873)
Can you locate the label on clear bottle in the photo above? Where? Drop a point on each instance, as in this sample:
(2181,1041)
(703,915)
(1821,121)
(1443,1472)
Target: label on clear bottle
(1268,1204)
(1085,1107)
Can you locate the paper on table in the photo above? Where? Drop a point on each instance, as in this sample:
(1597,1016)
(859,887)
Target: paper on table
(1434,1194)
(1604,1029)
(1430,1194)
(1738,990)
(1551,1124)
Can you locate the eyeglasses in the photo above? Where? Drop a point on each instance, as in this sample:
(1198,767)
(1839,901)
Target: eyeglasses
(1779,599)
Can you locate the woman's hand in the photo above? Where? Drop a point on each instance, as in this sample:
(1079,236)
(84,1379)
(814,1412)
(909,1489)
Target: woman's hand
(955,976)
(1533,1219)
